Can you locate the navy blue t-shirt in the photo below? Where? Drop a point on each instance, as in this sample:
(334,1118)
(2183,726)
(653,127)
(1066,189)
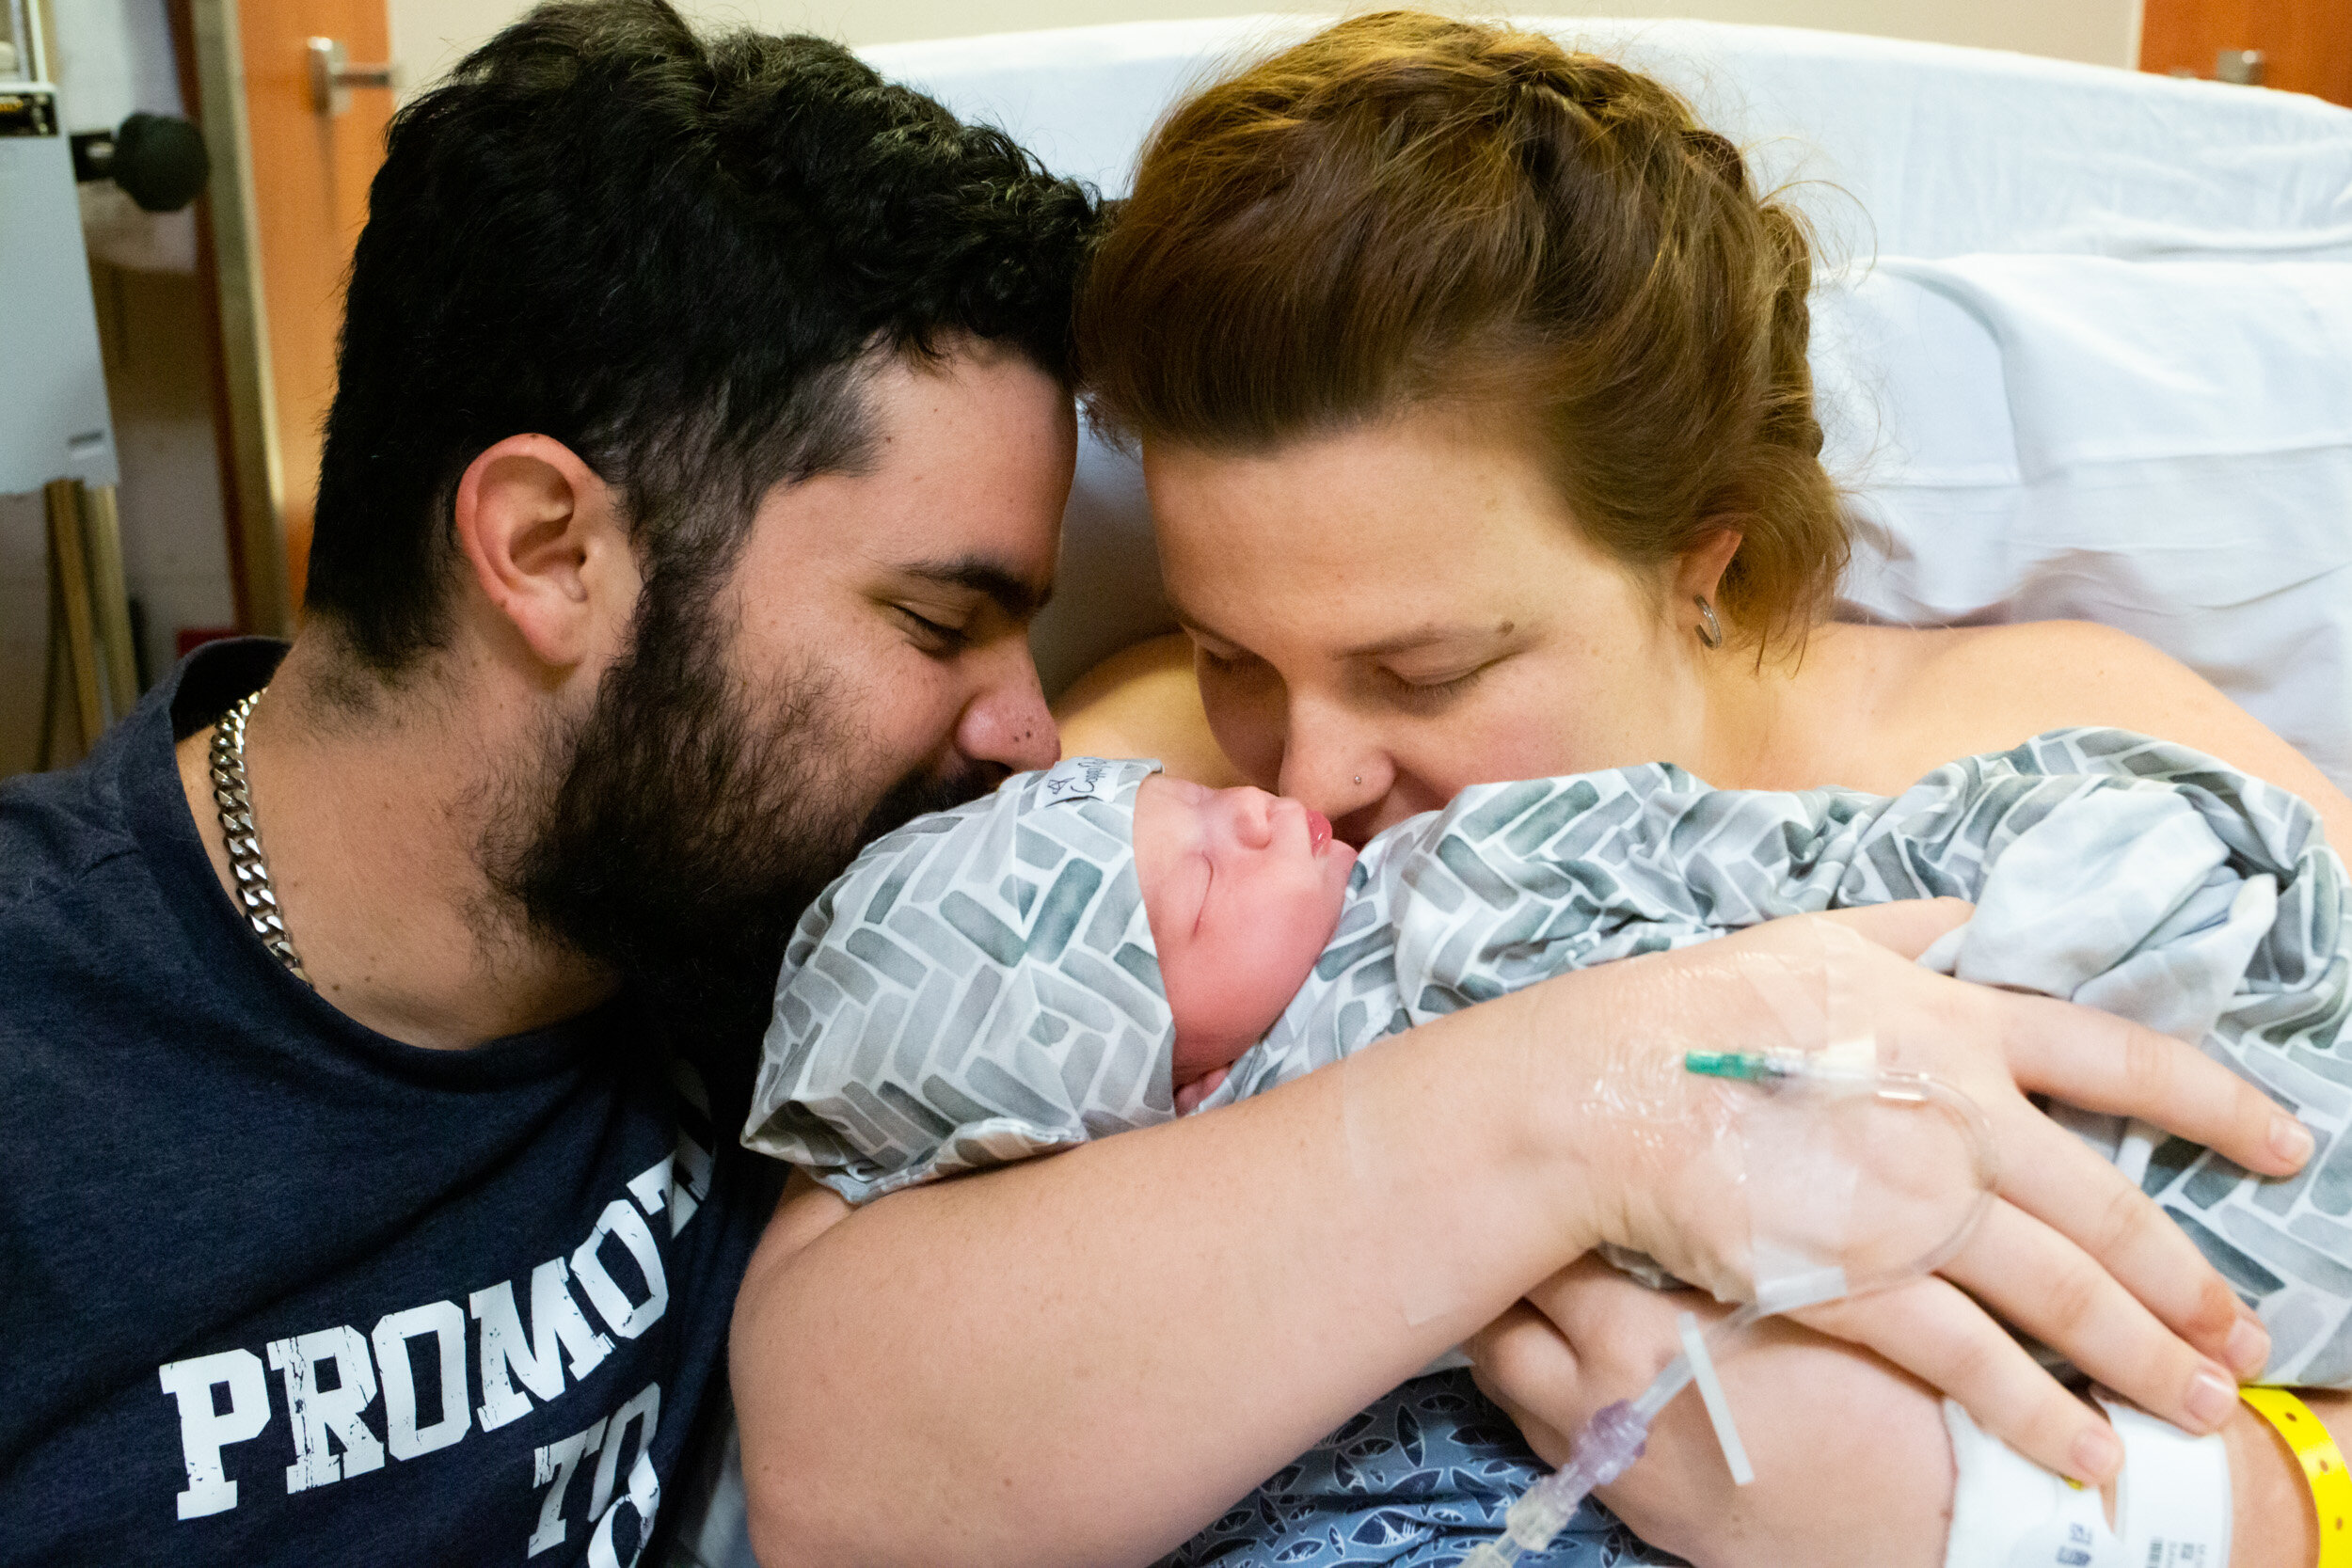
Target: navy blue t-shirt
(276,1289)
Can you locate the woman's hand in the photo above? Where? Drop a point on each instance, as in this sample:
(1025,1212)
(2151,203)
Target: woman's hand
(2070,1252)
(1853,1467)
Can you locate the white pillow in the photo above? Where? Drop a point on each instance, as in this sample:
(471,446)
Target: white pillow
(2163,448)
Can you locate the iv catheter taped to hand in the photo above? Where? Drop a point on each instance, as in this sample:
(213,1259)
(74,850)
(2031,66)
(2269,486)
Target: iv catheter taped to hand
(1825,1182)
(1840,1203)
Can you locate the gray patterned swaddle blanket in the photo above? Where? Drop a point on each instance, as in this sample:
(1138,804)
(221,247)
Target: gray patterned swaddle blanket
(2129,874)
(978,987)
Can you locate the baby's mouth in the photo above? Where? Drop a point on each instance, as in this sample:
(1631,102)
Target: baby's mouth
(1318,830)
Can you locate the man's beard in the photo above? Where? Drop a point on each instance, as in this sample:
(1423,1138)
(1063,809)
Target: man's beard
(689,821)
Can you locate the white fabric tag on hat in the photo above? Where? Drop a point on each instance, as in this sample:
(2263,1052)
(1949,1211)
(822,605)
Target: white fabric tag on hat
(1083,779)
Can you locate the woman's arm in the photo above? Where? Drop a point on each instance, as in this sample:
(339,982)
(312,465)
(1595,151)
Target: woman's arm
(1082,1360)
(1145,703)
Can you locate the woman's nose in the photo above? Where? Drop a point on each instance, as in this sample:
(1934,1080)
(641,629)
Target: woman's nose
(1331,764)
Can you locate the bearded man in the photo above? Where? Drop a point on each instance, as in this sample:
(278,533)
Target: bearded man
(374,1010)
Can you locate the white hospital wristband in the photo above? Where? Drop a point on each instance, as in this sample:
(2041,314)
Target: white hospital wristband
(2010,1513)
(2173,1499)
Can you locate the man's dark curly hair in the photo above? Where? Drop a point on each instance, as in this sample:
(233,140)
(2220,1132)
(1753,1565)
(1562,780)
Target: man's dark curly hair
(671,254)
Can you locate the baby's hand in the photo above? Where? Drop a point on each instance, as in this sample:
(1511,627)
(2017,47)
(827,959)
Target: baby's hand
(1189,1096)
(1853,1465)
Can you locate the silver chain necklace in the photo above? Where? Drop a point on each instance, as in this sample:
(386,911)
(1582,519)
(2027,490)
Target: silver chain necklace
(235,800)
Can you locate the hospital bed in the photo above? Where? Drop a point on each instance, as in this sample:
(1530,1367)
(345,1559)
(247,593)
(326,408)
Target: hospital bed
(2083,340)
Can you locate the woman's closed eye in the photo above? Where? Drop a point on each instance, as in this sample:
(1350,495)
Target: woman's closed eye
(1419,688)
(1219,657)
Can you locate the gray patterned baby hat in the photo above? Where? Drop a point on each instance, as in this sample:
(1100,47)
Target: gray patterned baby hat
(992,961)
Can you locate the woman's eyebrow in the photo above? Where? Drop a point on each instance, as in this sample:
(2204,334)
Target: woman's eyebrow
(1427,637)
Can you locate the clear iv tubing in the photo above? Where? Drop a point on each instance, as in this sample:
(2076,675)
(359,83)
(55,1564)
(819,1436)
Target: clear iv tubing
(1614,1438)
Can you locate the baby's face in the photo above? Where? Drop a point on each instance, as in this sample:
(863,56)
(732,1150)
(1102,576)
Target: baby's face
(1242,889)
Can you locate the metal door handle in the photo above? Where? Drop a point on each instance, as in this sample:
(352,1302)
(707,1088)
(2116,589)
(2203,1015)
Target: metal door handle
(332,76)
(2243,65)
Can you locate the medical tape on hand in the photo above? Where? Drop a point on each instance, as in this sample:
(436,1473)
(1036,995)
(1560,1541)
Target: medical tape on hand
(1800,1185)
(1800,1190)
(1711,1395)
(1850,1033)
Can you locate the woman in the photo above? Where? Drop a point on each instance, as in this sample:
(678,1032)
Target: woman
(1471,383)
(1085,1359)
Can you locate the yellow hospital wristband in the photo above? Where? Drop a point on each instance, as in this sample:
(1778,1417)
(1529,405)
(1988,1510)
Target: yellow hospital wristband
(2323,1468)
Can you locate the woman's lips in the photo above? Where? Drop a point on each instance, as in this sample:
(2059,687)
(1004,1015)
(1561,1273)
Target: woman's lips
(1318,830)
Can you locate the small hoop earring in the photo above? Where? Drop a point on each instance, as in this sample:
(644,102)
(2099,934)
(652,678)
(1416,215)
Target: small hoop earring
(1710,630)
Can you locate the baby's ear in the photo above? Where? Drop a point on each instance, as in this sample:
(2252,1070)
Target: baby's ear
(1189,1098)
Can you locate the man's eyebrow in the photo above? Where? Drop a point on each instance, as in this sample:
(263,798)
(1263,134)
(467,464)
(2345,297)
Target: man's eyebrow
(1013,594)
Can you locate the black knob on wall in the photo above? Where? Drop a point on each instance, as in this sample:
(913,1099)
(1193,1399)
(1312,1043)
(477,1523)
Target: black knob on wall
(158,160)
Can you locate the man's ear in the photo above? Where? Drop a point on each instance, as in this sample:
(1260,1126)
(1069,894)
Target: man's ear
(1701,572)
(546,546)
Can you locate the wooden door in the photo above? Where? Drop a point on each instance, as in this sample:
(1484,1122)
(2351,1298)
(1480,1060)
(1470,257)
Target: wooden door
(309,196)
(2306,44)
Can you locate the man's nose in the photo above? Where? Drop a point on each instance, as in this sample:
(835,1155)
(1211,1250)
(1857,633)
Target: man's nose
(1332,762)
(1007,721)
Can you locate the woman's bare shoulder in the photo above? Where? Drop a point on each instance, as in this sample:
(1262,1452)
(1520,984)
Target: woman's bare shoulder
(1955,691)
(2017,681)
(1143,702)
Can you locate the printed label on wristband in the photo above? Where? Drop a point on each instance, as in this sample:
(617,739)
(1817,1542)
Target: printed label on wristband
(2172,1503)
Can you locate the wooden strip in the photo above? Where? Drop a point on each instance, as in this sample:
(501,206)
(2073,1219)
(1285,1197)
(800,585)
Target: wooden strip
(71,570)
(110,597)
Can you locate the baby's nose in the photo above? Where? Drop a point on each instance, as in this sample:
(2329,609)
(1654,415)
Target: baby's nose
(1253,820)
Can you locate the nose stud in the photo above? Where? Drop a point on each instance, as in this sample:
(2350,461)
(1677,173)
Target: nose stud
(1359,778)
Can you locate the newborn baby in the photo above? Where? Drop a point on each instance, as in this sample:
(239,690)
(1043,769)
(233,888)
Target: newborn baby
(1086,951)
(1184,947)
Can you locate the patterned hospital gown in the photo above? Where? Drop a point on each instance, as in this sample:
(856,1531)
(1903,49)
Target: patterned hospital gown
(1417,1481)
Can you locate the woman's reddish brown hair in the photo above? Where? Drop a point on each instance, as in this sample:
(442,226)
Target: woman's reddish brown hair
(1406,209)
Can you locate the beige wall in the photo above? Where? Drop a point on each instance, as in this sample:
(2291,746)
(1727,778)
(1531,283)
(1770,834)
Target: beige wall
(429,35)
